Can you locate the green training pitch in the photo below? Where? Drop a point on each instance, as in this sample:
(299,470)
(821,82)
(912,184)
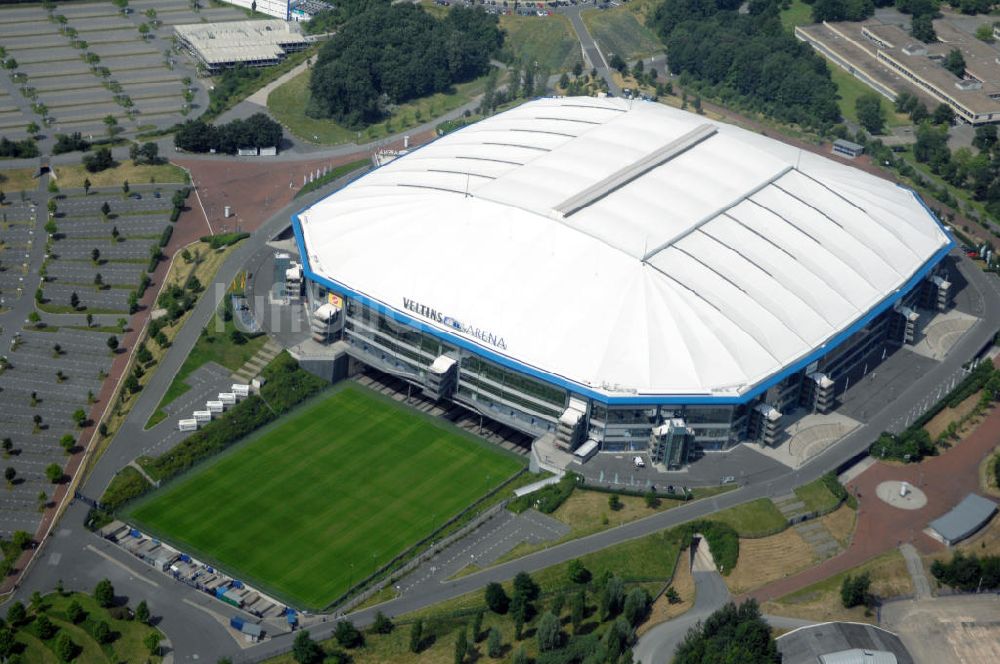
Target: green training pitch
(315,503)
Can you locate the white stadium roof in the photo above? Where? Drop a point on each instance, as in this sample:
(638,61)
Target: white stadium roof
(625,247)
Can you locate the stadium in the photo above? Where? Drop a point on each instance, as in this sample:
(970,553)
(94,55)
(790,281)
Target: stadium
(621,275)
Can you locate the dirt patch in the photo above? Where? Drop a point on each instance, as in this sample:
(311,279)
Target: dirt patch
(254,191)
(767,559)
(821,602)
(663,610)
(940,422)
(841,523)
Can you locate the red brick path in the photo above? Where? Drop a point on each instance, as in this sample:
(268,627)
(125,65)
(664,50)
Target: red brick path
(946,479)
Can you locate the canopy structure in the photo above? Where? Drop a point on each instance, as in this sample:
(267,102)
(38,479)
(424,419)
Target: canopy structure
(626,247)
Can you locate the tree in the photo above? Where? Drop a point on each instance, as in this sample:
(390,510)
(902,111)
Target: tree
(9,474)
(112,343)
(95,255)
(98,280)
(54,473)
(578,609)
(636,606)
(525,586)
(105,210)
(576,572)
(955,62)
(125,187)
(7,643)
(922,28)
(652,500)
(7,445)
(52,206)
(305,650)
(16,614)
(347,634)
(871,115)
(45,628)
(612,597)
(144,31)
(614,502)
(520,656)
(461,646)
(417,636)
(90,319)
(102,632)
(68,442)
(731,634)
(496,599)
(110,125)
(382,624)
(548,632)
(33,129)
(75,612)
(65,648)
(985,33)
(477,626)
(86,186)
(985,138)
(152,642)
(74,299)
(104,594)
(43,501)
(494,646)
(943,115)
(143,355)
(854,590)
(142,612)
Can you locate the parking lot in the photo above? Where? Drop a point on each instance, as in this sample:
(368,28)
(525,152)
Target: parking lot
(123,241)
(34,365)
(60,61)
(16,236)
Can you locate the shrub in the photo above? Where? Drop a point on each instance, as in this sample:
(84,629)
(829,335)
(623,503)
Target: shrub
(548,632)
(104,593)
(165,235)
(496,598)
(347,634)
(854,590)
(382,624)
(223,239)
(968,572)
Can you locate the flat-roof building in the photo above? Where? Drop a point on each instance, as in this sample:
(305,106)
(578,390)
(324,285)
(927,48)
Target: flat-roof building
(623,272)
(220,46)
(883,55)
(275,8)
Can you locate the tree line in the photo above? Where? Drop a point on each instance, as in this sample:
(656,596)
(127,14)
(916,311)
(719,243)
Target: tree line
(387,54)
(747,60)
(257,131)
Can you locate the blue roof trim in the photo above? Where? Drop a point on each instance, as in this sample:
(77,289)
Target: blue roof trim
(648,399)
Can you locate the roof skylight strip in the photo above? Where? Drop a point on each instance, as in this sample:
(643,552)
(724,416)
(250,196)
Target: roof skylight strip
(517,145)
(630,172)
(548,117)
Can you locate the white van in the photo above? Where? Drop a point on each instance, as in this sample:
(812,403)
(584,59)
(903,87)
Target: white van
(638,462)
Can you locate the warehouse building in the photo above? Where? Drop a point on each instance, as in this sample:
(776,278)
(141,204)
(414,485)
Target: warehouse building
(221,46)
(621,273)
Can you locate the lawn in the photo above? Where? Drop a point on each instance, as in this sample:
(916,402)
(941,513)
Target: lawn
(816,496)
(18,179)
(549,41)
(850,88)
(312,505)
(72,177)
(754,518)
(287,103)
(798,13)
(618,31)
(127,646)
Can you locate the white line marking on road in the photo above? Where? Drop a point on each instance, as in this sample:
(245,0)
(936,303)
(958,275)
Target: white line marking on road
(123,566)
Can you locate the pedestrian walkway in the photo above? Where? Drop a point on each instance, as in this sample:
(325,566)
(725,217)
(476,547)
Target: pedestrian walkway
(915,566)
(252,368)
(813,532)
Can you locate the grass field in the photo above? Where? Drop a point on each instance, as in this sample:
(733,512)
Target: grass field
(798,13)
(287,103)
(816,496)
(754,518)
(619,31)
(850,88)
(72,177)
(549,41)
(18,179)
(348,481)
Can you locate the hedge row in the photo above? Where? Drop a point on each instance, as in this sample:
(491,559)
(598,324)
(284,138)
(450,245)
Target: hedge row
(723,541)
(547,499)
(224,239)
(126,485)
(165,235)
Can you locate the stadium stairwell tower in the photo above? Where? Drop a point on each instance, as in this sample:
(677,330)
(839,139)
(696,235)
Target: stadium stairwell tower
(622,275)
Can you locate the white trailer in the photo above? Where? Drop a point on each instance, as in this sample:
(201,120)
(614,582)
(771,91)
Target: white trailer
(187,425)
(241,391)
(214,406)
(227,398)
(203,415)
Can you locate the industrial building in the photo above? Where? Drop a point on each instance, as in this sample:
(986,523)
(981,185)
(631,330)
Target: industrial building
(221,46)
(842,643)
(890,60)
(621,274)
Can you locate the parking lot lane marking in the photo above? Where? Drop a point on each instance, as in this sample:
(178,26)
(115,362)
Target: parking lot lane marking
(123,566)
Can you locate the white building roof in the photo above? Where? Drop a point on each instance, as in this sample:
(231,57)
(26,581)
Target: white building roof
(241,41)
(626,247)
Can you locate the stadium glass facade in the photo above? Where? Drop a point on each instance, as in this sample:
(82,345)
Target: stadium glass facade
(538,407)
